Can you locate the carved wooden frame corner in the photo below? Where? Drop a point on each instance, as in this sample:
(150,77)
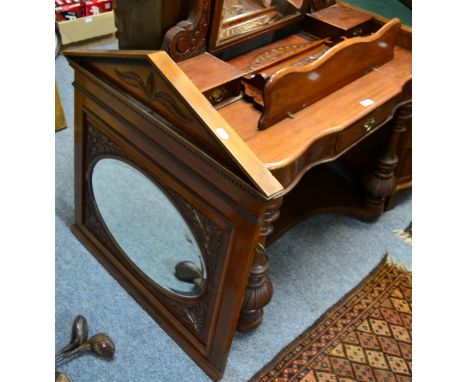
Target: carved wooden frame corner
(188,38)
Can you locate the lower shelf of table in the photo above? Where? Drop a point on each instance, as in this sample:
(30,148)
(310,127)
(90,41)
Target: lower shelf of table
(327,188)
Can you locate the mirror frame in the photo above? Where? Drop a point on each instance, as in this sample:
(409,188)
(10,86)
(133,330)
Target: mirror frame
(176,204)
(212,234)
(231,214)
(215,47)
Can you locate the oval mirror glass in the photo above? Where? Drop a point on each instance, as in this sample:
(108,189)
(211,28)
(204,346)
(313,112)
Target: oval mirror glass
(148,227)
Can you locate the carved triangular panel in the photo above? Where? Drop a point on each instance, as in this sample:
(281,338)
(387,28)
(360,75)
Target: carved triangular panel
(138,78)
(155,80)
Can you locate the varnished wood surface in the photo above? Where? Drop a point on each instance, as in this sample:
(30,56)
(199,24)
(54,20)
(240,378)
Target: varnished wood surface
(240,153)
(188,37)
(298,3)
(261,57)
(405,39)
(207,71)
(284,143)
(215,46)
(341,17)
(208,125)
(317,47)
(133,72)
(142,24)
(250,15)
(257,82)
(317,5)
(340,65)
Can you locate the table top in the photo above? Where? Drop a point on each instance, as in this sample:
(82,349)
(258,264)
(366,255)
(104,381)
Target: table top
(274,158)
(283,143)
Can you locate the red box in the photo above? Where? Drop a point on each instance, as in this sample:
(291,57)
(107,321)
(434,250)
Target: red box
(61,3)
(94,7)
(69,11)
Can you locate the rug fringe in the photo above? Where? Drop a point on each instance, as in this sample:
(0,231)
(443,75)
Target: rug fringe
(406,236)
(389,260)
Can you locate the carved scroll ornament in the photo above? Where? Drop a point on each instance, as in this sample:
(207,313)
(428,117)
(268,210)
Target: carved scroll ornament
(188,38)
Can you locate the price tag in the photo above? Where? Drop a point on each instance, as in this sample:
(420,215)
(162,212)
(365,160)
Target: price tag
(220,132)
(367,102)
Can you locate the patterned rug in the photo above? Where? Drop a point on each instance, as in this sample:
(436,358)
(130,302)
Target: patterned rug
(365,337)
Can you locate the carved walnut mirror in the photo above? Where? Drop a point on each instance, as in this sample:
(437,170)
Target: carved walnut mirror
(148,227)
(238,20)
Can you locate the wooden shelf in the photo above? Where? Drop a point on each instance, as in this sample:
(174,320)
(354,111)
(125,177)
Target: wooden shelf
(327,188)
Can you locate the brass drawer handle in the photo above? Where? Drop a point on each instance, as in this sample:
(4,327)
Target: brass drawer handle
(217,95)
(357,32)
(369,125)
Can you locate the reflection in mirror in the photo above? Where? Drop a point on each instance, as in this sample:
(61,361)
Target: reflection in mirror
(148,227)
(240,17)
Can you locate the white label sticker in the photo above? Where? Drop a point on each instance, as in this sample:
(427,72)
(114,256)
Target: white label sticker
(88,20)
(222,133)
(367,102)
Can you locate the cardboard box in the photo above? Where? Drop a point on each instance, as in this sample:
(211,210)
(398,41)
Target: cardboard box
(60,121)
(87,27)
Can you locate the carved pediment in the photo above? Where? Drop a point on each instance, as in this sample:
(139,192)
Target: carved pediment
(156,81)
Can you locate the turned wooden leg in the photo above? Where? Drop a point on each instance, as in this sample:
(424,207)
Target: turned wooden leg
(382,182)
(259,288)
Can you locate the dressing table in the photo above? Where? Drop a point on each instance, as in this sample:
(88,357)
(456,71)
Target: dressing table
(190,159)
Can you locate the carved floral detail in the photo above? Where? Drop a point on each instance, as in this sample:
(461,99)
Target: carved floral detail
(312,58)
(98,143)
(246,27)
(274,55)
(193,316)
(232,8)
(150,90)
(209,237)
(133,79)
(207,233)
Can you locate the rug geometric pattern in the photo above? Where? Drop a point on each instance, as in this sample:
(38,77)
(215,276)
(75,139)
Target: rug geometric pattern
(365,337)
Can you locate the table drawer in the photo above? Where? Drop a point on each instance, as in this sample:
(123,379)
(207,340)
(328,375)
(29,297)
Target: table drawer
(364,126)
(224,92)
